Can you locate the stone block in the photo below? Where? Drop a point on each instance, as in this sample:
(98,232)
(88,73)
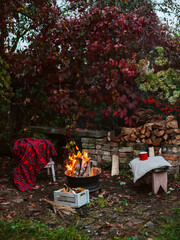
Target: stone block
(124,160)
(115,149)
(99,152)
(166,148)
(176,149)
(101,140)
(88,140)
(126,149)
(91,151)
(123,144)
(90,133)
(138,146)
(114,144)
(136,153)
(99,159)
(105,153)
(173,157)
(106,147)
(88,145)
(98,147)
(107,158)
(122,155)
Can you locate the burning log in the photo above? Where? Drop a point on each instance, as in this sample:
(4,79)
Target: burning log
(83,168)
(88,171)
(79,165)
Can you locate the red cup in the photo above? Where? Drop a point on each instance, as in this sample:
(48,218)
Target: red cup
(143,156)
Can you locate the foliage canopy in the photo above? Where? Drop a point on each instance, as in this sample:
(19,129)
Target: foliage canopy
(84,65)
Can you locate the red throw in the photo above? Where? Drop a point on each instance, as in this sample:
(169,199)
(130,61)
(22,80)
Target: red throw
(32,155)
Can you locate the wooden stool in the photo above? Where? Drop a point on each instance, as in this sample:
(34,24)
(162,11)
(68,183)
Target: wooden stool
(159,178)
(51,165)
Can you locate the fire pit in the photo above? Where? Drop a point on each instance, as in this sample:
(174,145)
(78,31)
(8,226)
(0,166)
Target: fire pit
(92,182)
(81,173)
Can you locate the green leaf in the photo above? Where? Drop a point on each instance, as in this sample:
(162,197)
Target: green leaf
(122,183)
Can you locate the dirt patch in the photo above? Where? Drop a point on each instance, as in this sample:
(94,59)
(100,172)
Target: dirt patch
(117,209)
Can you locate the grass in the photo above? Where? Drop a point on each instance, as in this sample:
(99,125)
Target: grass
(100,202)
(21,229)
(28,229)
(170,226)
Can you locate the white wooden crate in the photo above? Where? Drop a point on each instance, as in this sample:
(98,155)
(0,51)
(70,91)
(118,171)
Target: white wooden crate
(72,199)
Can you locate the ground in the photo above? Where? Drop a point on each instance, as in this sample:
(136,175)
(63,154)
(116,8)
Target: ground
(118,209)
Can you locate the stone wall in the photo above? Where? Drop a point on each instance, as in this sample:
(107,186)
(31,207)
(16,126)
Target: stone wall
(172,154)
(102,145)
(102,149)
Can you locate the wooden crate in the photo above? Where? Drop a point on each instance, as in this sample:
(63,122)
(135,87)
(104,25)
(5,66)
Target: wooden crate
(75,200)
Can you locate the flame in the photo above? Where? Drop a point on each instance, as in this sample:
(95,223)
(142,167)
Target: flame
(74,158)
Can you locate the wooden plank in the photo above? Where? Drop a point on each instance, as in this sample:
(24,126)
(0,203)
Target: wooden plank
(151,151)
(115,165)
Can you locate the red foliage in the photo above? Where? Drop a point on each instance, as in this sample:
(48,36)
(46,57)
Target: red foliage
(90,59)
(163,108)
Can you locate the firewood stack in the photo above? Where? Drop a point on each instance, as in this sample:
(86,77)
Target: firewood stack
(154,133)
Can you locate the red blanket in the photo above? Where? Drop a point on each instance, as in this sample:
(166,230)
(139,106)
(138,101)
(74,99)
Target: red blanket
(32,155)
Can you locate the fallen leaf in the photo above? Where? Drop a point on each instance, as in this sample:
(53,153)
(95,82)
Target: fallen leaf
(104,233)
(5,203)
(8,216)
(107,226)
(119,225)
(36,213)
(100,195)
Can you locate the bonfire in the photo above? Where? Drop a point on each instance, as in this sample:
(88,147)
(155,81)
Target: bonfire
(80,165)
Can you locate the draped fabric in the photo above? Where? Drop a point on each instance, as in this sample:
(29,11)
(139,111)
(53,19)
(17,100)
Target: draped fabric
(32,155)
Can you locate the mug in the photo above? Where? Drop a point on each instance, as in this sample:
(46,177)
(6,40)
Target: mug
(143,156)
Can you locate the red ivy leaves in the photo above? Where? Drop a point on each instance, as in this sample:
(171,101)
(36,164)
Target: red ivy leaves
(163,108)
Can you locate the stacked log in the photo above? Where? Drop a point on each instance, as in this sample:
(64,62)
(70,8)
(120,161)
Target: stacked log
(154,134)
